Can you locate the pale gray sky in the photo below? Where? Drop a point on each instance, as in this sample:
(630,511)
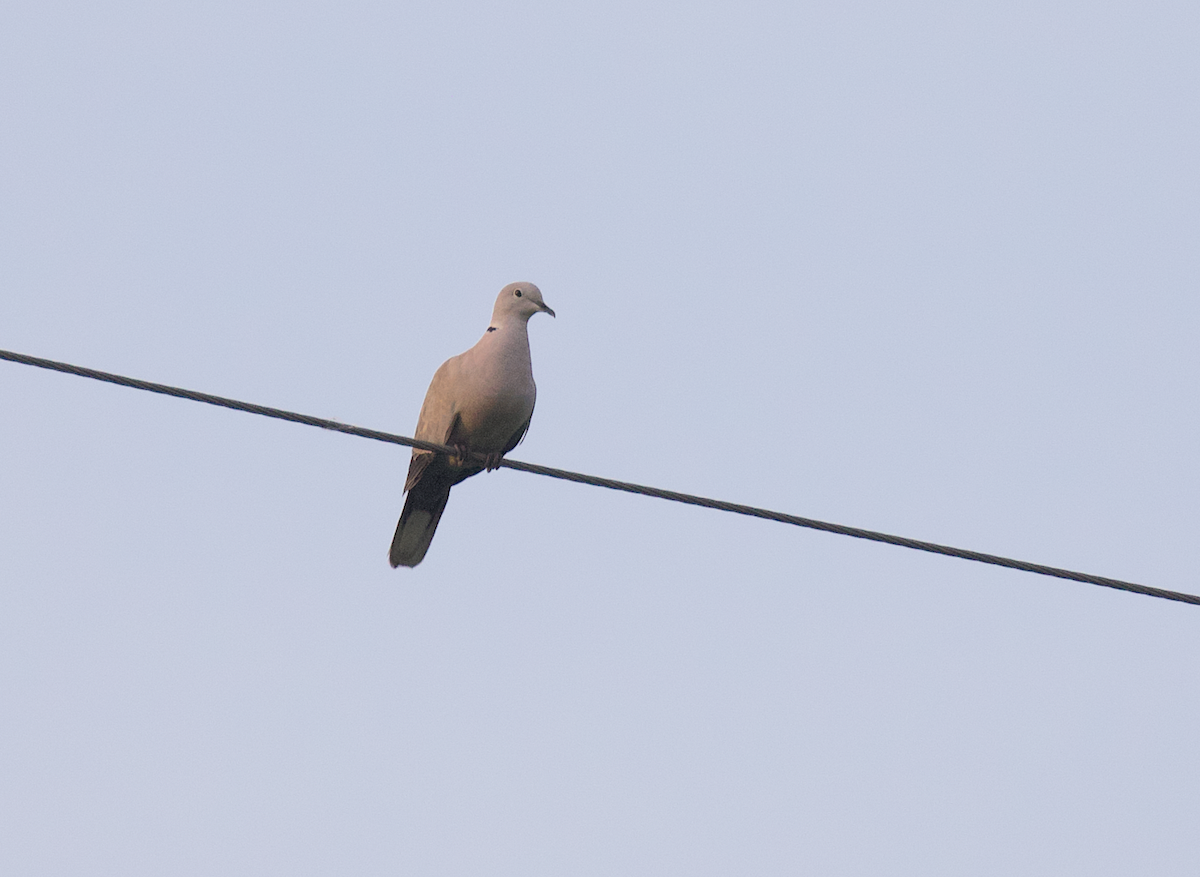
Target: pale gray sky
(930,269)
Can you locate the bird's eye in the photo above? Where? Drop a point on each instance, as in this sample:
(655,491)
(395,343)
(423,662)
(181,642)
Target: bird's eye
(517,293)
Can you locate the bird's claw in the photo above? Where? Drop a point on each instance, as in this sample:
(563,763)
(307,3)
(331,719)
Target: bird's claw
(461,453)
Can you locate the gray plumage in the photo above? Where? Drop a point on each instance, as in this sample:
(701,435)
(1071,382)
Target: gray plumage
(480,401)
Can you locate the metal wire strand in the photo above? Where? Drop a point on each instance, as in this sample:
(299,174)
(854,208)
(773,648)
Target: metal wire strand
(641,489)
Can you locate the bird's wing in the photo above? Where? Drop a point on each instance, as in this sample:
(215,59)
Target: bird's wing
(518,436)
(437,421)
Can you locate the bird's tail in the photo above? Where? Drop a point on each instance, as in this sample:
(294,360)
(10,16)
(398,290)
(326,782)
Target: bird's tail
(418,521)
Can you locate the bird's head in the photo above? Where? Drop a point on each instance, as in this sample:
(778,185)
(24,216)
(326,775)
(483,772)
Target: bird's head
(520,301)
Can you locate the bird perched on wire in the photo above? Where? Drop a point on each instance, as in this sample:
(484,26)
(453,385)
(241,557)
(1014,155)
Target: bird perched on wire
(479,402)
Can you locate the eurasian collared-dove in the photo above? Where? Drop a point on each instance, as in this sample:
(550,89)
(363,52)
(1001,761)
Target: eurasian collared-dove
(479,401)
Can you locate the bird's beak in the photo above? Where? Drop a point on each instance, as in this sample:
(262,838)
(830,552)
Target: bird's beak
(547,309)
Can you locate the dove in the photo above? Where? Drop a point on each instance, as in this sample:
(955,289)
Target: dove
(478,402)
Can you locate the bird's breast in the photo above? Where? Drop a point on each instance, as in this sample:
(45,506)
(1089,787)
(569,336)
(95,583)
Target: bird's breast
(491,415)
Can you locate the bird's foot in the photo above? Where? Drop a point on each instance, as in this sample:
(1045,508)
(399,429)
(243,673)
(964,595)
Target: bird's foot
(492,461)
(462,454)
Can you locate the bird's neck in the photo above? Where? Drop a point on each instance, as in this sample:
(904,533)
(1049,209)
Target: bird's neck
(508,324)
(510,334)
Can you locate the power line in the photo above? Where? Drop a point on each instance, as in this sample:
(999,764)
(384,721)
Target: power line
(595,481)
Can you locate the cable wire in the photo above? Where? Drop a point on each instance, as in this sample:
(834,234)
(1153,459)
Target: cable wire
(641,489)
